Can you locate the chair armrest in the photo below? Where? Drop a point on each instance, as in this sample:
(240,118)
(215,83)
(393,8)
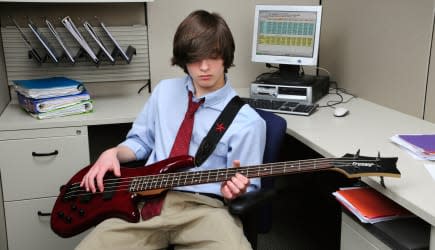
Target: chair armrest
(250,200)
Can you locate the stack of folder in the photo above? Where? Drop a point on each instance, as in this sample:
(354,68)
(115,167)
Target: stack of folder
(53,97)
(370,206)
(422,146)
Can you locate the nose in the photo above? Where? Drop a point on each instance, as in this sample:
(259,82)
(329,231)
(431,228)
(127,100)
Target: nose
(203,65)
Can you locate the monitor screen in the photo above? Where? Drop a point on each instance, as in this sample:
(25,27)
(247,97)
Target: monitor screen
(286,35)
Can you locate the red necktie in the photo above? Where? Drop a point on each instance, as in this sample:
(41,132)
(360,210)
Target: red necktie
(181,145)
(182,141)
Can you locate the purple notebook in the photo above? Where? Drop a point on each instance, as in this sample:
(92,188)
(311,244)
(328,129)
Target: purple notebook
(425,142)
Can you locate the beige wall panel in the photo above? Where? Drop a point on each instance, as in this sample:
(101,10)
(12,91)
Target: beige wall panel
(379,50)
(112,14)
(4,90)
(165,15)
(429,113)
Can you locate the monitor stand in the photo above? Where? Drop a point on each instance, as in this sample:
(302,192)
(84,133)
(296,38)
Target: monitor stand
(291,75)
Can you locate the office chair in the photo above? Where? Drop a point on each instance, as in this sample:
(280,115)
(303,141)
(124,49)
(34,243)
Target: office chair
(255,208)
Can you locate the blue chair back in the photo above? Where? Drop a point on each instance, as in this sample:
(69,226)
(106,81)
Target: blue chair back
(276,128)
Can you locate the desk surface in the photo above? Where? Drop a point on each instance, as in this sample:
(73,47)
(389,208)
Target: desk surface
(107,110)
(368,127)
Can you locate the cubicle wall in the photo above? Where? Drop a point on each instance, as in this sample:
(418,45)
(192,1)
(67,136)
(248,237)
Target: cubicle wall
(4,93)
(429,113)
(126,22)
(239,16)
(379,50)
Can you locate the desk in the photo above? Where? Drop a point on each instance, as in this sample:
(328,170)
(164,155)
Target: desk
(30,184)
(369,127)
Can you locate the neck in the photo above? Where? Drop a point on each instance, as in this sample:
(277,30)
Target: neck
(201,90)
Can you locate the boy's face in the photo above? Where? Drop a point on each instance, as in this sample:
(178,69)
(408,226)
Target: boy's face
(207,75)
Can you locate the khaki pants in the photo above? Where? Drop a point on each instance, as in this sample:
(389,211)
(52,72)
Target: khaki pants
(187,220)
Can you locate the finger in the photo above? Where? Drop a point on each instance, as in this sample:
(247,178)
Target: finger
(100,179)
(116,169)
(233,188)
(245,180)
(238,183)
(226,192)
(90,180)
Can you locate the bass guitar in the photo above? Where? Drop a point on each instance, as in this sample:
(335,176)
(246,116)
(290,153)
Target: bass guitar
(76,210)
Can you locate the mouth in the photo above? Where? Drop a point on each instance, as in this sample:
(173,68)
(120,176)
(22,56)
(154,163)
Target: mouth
(205,77)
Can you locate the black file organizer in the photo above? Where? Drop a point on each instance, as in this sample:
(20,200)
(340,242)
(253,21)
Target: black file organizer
(82,56)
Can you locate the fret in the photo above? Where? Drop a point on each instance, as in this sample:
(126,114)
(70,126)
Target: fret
(141,183)
(132,185)
(173,177)
(154,181)
(197,177)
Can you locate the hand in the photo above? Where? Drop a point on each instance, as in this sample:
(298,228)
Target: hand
(107,161)
(235,186)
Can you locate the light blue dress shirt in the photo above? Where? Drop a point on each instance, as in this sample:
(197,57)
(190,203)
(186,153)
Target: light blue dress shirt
(155,128)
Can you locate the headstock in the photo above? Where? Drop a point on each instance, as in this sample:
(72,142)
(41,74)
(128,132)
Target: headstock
(354,165)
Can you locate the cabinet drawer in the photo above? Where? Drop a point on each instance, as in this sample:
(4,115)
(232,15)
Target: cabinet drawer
(27,230)
(34,168)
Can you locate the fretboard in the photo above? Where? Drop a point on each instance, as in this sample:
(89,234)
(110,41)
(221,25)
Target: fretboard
(170,180)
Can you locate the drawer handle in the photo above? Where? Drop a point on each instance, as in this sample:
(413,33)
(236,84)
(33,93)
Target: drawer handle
(43,214)
(55,152)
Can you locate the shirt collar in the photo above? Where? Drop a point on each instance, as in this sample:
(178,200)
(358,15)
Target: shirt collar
(216,98)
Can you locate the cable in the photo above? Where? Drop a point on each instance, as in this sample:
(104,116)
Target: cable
(339,92)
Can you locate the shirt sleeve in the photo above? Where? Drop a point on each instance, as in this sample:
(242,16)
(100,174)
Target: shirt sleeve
(140,138)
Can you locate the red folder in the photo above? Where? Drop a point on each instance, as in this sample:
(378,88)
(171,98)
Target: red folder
(369,204)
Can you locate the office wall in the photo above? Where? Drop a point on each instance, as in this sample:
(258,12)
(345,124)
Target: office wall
(112,14)
(4,92)
(429,113)
(165,15)
(379,50)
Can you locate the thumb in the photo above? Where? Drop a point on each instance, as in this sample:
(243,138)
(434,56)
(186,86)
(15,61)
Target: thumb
(236,163)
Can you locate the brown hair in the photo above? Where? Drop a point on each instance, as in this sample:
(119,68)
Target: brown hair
(203,35)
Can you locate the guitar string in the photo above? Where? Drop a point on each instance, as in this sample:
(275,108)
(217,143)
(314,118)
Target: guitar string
(159,179)
(125,185)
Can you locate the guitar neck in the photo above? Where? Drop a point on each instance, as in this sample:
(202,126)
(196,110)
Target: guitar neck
(177,179)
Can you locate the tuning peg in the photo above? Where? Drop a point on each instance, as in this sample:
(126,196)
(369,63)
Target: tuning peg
(378,158)
(356,156)
(382,181)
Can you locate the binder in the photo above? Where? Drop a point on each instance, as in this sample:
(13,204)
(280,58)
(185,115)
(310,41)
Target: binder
(32,50)
(48,87)
(41,38)
(41,105)
(118,47)
(70,26)
(79,108)
(59,40)
(100,43)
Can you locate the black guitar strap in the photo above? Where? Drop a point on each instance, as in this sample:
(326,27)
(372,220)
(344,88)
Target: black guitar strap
(218,129)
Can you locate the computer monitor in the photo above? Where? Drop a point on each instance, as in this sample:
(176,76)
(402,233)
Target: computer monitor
(288,36)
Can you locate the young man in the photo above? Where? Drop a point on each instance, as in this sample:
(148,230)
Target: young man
(192,217)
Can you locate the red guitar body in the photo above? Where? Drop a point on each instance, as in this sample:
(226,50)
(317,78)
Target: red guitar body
(73,214)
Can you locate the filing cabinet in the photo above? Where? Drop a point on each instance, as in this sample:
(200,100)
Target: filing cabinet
(35,163)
